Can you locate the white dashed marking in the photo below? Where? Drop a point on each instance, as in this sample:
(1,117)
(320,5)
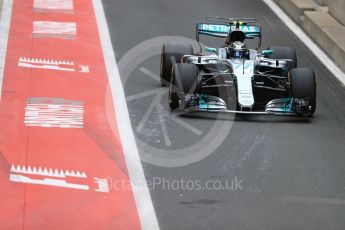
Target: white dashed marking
(53,5)
(49,113)
(48,29)
(46,176)
(38,63)
(43,171)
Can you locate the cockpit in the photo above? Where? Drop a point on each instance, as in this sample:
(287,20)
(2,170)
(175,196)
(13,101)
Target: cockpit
(236,48)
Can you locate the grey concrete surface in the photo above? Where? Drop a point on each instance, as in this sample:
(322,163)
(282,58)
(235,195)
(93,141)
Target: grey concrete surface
(323,2)
(337,9)
(320,25)
(292,169)
(327,32)
(315,22)
(296,8)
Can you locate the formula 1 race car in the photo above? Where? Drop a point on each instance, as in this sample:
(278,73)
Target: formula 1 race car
(234,78)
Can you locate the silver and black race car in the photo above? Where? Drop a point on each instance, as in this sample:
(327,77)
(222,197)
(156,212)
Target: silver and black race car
(234,78)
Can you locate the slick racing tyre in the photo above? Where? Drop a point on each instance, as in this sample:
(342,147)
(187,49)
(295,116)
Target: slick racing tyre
(281,52)
(184,80)
(172,53)
(303,85)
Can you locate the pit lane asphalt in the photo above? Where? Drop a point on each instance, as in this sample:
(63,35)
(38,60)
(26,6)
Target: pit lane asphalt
(292,170)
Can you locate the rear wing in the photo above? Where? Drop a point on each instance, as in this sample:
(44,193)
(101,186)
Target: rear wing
(221,27)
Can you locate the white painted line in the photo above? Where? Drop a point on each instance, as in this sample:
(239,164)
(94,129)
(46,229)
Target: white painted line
(49,29)
(53,5)
(313,47)
(54,112)
(44,171)
(46,181)
(5,20)
(51,64)
(44,61)
(141,193)
(38,63)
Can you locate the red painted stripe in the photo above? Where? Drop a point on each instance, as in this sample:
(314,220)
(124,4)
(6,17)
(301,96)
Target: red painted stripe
(94,149)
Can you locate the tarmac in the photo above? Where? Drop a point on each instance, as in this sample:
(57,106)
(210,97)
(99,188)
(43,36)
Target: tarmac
(292,169)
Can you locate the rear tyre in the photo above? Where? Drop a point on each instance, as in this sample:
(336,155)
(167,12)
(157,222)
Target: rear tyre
(282,52)
(303,86)
(184,80)
(172,53)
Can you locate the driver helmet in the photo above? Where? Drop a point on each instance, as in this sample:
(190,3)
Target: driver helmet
(238,50)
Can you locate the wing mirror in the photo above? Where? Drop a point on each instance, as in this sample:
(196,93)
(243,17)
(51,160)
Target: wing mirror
(267,52)
(211,50)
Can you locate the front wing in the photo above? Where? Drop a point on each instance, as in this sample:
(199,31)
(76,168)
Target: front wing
(282,106)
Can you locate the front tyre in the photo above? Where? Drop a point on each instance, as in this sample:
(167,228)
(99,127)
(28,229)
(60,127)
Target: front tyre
(183,81)
(174,100)
(172,53)
(303,86)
